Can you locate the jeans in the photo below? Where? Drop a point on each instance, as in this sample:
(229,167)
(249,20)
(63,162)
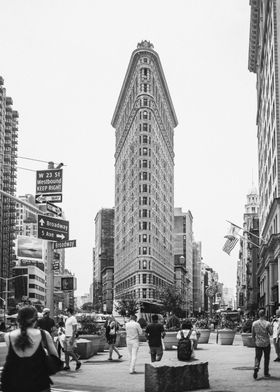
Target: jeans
(132,347)
(258,357)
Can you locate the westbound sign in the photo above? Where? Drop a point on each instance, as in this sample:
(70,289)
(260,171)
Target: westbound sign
(49,181)
(65,244)
(52,229)
(44,198)
(54,209)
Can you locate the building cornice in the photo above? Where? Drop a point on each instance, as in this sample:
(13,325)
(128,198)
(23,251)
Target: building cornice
(254,35)
(137,53)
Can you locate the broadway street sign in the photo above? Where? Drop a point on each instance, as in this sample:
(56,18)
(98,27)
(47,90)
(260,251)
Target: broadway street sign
(52,229)
(65,244)
(40,199)
(49,181)
(54,209)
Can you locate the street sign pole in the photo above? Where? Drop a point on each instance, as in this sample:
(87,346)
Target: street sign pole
(50,279)
(50,272)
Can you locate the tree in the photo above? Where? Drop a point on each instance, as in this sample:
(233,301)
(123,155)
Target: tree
(172,300)
(127,306)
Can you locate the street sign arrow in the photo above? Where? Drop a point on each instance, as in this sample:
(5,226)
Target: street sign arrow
(52,229)
(44,198)
(54,209)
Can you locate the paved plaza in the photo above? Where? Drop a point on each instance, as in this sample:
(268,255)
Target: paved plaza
(230,370)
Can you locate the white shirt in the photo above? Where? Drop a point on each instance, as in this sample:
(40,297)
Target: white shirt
(276,325)
(133,330)
(193,335)
(69,323)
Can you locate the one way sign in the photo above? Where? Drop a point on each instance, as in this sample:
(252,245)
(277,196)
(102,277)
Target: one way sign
(52,229)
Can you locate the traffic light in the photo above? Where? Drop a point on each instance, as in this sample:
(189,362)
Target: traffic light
(67,283)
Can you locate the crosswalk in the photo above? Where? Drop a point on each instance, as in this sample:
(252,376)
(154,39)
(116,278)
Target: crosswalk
(53,389)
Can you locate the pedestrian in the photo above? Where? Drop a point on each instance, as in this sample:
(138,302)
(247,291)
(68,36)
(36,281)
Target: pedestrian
(261,331)
(155,333)
(60,337)
(275,334)
(25,368)
(111,336)
(71,324)
(187,331)
(133,330)
(46,322)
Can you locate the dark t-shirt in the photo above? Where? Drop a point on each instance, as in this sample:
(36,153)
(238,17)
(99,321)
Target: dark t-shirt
(46,323)
(154,332)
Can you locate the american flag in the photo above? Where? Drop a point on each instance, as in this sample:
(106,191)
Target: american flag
(232,238)
(230,244)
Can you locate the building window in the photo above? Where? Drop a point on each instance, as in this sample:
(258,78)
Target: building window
(144,250)
(144,293)
(144,264)
(145,115)
(145,151)
(144,278)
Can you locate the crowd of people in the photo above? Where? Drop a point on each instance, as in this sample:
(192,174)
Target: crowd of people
(25,366)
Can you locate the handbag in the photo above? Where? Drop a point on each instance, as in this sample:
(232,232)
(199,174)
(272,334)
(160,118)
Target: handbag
(53,363)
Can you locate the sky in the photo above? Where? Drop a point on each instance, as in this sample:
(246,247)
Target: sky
(64,62)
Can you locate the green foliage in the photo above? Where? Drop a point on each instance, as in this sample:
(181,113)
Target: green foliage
(247,326)
(88,326)
(173,323)
(202,323)
(126,306)
(172,300)
(88,307)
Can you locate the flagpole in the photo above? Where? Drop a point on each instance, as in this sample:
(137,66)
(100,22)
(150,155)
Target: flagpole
(246,239)
(245,231)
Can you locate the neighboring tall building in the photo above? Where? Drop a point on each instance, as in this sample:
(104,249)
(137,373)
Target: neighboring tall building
(144,120)
(183,246)
(103,263)
(246,288)
(26,221)
(8,174)
(264,60)
(197,292)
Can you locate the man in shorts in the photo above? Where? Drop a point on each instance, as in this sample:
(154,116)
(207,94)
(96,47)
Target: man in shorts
(154,333)
(69,341)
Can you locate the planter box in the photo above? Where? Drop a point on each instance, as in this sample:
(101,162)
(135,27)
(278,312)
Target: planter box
(226,336)
(247,339)
(170,340)
(102,343)
(204,335)
(84,348)
(95,340)
(176,376)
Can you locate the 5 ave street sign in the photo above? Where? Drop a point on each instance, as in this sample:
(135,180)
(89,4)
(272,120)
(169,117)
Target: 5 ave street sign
(49,181)
(52,229)
(54,209)
(44,198)
(65,244)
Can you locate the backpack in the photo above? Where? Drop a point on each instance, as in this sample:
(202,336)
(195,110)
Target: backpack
(184,348)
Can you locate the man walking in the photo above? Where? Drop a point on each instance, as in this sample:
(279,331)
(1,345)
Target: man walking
(154,333)
(133,330)
(261,331)
(69,341)
(46,322)
(275,335)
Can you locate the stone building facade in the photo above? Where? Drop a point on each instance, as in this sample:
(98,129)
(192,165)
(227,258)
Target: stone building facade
(264,61)
(144,122)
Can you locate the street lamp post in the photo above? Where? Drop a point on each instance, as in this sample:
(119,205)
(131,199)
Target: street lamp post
(6,292)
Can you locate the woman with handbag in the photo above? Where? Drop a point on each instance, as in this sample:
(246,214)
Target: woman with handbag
(27,366)
(111,336)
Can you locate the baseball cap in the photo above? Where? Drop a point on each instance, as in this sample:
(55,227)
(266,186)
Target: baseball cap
(46,310)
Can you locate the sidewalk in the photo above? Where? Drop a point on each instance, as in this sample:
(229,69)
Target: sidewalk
(230,369)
